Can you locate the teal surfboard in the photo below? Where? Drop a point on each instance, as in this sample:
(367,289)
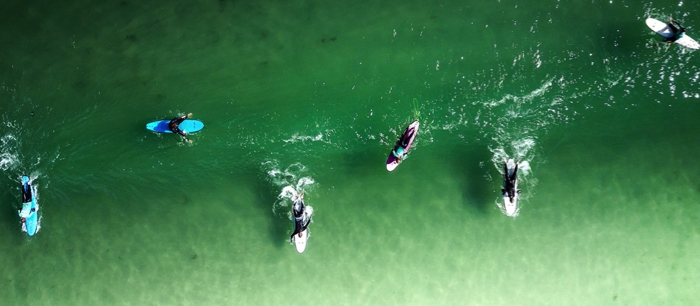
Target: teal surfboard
(30,208)
(188,126)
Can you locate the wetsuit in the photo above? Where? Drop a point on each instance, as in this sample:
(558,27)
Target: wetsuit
(301,222)
(402,143)
(173,125)
(398,152)
(404,140)
(509,182)
(26,193)
(26,198)
(678,31)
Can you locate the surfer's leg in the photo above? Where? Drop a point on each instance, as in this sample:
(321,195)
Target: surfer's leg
(296,231)
(408,137)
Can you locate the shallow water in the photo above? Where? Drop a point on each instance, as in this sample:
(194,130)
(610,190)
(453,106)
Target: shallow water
(312,95)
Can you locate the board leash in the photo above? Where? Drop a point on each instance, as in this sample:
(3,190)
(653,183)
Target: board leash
(416,112)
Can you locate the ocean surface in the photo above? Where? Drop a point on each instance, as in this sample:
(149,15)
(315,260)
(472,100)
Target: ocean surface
(312,95)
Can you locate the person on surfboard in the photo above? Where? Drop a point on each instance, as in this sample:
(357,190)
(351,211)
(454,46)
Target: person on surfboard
(398,152)
(174,126)
(509,181)
(401,145)
(677,29)
(26,198)
(301,221)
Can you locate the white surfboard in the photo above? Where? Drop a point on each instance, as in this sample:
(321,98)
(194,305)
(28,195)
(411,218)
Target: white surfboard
(511,208)
(688,42)
(665,31)
(301,238)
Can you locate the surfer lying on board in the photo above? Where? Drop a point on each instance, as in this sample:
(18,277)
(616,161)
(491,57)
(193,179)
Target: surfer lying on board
(401,146)
(26,192)
(509,181)
(677,28)
(398,152)
(173,125)
(26,198)
(301,221)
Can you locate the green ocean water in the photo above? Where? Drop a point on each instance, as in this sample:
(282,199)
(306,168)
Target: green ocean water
(312,95)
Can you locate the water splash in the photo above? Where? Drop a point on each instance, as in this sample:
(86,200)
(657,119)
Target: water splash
(293,180)
(7,161)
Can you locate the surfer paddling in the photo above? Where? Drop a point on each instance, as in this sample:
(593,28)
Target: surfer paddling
(509,181)
(26,211)
(174,126)
(399,150)
(677,29)
(301,220)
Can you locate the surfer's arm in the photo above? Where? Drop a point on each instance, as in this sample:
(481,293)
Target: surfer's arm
(185,137)
(291,237)
(303,228)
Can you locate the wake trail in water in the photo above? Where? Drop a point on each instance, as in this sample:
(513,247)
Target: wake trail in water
(292,181)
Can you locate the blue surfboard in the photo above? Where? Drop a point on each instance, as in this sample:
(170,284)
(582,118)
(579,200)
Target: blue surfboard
(30,208)
(188,126)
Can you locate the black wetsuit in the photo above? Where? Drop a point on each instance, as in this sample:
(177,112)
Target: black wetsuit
(404,140)
(26,193)
(173,125)
(403,143)
(509,182)
(678,30)
(299,214)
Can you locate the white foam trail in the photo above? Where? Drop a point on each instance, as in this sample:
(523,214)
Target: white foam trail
(304,181)
(298,138)
(7,161)
(292,182)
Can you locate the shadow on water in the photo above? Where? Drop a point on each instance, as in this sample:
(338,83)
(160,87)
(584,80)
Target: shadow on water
(11,228)
(363,160)
(266,194)
(473,165)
